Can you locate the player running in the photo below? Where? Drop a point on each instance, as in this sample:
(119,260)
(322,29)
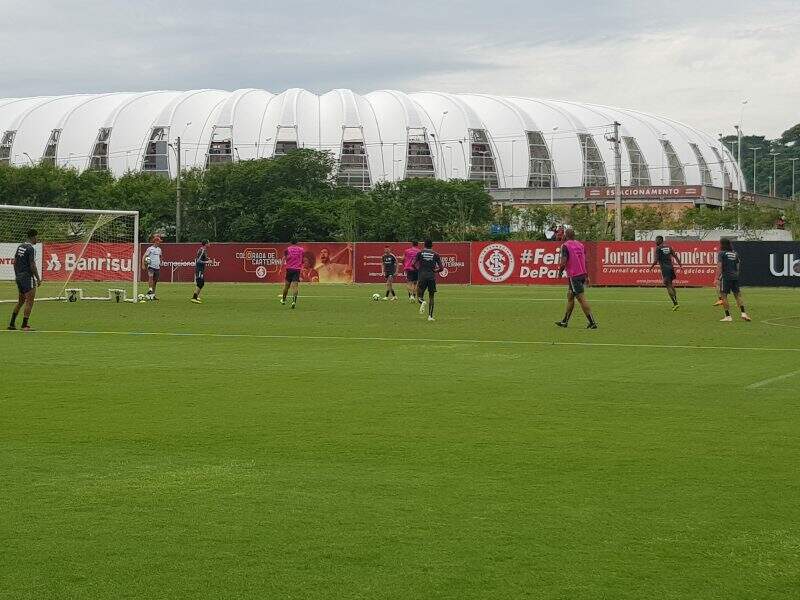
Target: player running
(666,259)
(427,263)
(293,261)
(728,269)
(151,260)
(200,261)
(409,256)
(573,260)
(389,262)
(27,277)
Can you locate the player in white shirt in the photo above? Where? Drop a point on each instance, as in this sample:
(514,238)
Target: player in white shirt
(151,260)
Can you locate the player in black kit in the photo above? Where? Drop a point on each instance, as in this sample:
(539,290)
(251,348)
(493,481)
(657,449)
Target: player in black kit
(728,268)
(427,263)
(27,277)
(666,259)
(389,262)
(200,270)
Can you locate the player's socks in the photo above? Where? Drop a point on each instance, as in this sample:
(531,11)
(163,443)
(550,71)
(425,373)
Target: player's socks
(24,322)
(294,300)
(13,319)
(430,309)
(727,313)
(591,320)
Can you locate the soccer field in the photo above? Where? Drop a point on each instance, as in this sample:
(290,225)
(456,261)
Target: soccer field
(351,449)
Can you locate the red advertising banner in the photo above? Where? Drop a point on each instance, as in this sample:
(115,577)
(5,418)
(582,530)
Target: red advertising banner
(628,263)
(516,262)
(369,268)
(96,262)
(648,192)
(257,262)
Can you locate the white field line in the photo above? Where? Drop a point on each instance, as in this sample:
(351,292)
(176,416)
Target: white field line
(341,338)
(772,322)
(771,380)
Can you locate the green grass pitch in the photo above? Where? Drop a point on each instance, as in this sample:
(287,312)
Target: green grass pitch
(351,449)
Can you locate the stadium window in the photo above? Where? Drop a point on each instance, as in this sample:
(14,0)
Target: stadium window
(49,156)
(482,166)
(353,168)
(594,169)
(419,160)
(282,148)
(640,172)
(99,160)
(676,173)
(721,161)
(5,147)
(220,148)
(705,173)
(540,168)
(156,159)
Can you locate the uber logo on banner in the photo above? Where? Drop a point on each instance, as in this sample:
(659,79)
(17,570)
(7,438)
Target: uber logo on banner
(769,263)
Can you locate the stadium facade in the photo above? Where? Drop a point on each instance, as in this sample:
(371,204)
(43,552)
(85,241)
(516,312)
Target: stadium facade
(517,146)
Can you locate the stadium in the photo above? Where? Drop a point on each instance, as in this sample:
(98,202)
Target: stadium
(523,149)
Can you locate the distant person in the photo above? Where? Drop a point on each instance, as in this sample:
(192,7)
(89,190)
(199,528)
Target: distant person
(389,262)
(409,259)
(573,261)
(780,223)
(27,277)
(200,261)
(560,233)
(309,273)
(152,262)
(293,262)
(666,258)
(728,269)
(427,264)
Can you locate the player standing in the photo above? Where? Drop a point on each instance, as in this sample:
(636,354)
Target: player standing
(573,260)
(152,262)
(27,278)
(728,269)
(293,261)
(427,263)
(409,258)
(200,261)
(389,262)
(666,258)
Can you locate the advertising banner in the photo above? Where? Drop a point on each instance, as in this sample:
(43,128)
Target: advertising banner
(96,261)
(515,262)
(648,192)
(323,262)
(769,263)
(369,268)
(628,263)
(7,251)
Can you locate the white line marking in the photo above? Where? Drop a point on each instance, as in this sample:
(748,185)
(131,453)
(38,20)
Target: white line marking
(771,322)
(341,338)
(766,382)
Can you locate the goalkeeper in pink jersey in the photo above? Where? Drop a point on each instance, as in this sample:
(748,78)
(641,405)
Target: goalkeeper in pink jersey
(573,261)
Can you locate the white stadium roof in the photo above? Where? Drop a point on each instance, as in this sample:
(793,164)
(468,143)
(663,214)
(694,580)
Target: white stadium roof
(508,142)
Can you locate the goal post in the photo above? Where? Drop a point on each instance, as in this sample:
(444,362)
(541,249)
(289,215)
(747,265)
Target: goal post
(74,246)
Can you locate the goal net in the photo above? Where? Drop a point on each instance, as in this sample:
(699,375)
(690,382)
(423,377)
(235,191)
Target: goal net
(88,254)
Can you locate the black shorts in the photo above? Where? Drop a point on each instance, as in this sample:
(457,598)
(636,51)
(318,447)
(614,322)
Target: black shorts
(577,285)
(199,280)
(387,275)
(412,275)
(668,275)
(729,286)
(25,283)
(292,275)
(426,284)
(154,273)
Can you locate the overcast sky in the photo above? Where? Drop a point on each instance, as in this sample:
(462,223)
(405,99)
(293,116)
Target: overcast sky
(694,61)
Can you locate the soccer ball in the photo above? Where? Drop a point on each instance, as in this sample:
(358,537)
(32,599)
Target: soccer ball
(376,297)
(147,260)
(141,298)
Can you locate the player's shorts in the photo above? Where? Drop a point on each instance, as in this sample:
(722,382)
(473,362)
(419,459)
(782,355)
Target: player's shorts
(426,284)
(292,275)
(412,275)
(199,280)
(668,275)
(388,274)
(577,285)
(729,286)
(154,273)
(25,283)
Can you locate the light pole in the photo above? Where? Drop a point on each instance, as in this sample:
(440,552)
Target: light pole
(722,174)
(755,152)
(739,132)
(794,161)
(774,156)
(28,156)
(441,122)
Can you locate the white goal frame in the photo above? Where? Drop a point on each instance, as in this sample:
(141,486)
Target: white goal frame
(88,211)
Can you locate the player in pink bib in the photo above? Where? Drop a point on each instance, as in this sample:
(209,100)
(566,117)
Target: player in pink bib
(573,261)
(410,269)
(293,262)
